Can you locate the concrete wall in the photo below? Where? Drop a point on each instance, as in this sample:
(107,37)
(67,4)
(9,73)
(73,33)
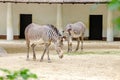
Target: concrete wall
(41,14)
(47,13)
(81,12)
(3,9)
(116,29)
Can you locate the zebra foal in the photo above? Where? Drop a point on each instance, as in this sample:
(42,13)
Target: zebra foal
(75,30)
(43,34)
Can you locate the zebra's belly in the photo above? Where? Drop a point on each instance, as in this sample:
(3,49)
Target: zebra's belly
(38,41)
(75,35)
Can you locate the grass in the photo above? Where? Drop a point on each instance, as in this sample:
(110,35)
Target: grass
(99,51)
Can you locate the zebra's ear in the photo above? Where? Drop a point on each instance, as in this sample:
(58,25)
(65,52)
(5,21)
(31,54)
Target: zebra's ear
(63,31)
(60,38)
(64,37)
(69,30)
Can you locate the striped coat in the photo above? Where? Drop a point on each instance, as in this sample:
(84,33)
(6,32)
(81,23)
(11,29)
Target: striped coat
(43,34)
(75,30)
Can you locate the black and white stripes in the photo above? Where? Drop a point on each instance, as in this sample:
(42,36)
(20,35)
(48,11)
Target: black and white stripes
(43,34)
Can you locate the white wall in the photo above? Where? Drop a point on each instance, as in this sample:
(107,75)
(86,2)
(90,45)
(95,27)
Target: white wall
(47,14)
(81,12)
(41,14)
(3,13)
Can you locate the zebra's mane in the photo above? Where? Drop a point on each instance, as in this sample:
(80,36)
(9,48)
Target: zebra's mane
(54,28)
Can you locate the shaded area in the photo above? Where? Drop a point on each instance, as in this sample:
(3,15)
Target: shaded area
(99,60)
(19,46)
(3,52)
(71,67)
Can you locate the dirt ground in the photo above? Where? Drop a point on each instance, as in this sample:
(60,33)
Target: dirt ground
(100,60)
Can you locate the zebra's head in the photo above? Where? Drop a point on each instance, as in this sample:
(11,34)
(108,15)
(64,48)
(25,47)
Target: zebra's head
(67,32)
(59,46)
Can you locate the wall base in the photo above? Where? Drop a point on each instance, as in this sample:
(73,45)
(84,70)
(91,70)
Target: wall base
(5,37)
(16,37)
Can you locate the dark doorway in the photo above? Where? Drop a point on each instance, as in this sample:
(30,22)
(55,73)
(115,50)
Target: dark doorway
(25,19)
(95,23)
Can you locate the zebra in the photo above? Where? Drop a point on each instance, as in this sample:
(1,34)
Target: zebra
(43,34)
(75,30)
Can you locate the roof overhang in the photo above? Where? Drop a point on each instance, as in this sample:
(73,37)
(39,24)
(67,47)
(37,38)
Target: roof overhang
(57,1)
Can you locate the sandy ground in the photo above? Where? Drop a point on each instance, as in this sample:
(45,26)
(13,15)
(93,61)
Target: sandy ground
(99,60)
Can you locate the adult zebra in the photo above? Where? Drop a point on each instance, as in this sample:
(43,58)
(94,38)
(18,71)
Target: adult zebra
(43,34)
(75,30)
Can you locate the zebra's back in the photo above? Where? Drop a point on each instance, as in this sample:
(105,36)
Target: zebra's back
(40,33)
(33,32)
(76,29)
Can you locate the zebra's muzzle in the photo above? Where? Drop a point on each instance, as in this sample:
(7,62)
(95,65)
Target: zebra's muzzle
(61,56)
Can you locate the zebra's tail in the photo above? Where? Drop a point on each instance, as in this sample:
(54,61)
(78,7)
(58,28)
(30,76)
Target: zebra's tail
(26,36)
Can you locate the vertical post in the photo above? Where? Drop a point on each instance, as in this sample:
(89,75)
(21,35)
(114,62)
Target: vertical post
(109,27)
(59,16)
(9,22)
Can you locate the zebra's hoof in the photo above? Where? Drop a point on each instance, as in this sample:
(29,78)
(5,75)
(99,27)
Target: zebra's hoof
(27,59)
(69,51)
(34,59)
(82,49)
(49,61)
(41,60)
(75,50)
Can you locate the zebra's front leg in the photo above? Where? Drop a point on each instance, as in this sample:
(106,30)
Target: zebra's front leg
(46,48)
(49,61)
(82,39)
(33,49)
(70,45)
(78,42)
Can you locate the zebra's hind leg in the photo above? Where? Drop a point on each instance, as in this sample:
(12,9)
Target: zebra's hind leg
(46,48)
(78,42)
(82,39)
(28,48)
(33,49)
(70,45)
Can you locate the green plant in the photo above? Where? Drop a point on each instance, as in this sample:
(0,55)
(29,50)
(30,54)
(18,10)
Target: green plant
(23,74)
(114,5)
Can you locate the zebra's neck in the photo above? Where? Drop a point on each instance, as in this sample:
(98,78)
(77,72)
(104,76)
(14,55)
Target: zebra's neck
(54,39)
(52,35)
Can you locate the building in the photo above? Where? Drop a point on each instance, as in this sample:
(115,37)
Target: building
(15,15)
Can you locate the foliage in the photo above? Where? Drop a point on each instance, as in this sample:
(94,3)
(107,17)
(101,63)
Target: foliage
(115,5)
(23,74)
